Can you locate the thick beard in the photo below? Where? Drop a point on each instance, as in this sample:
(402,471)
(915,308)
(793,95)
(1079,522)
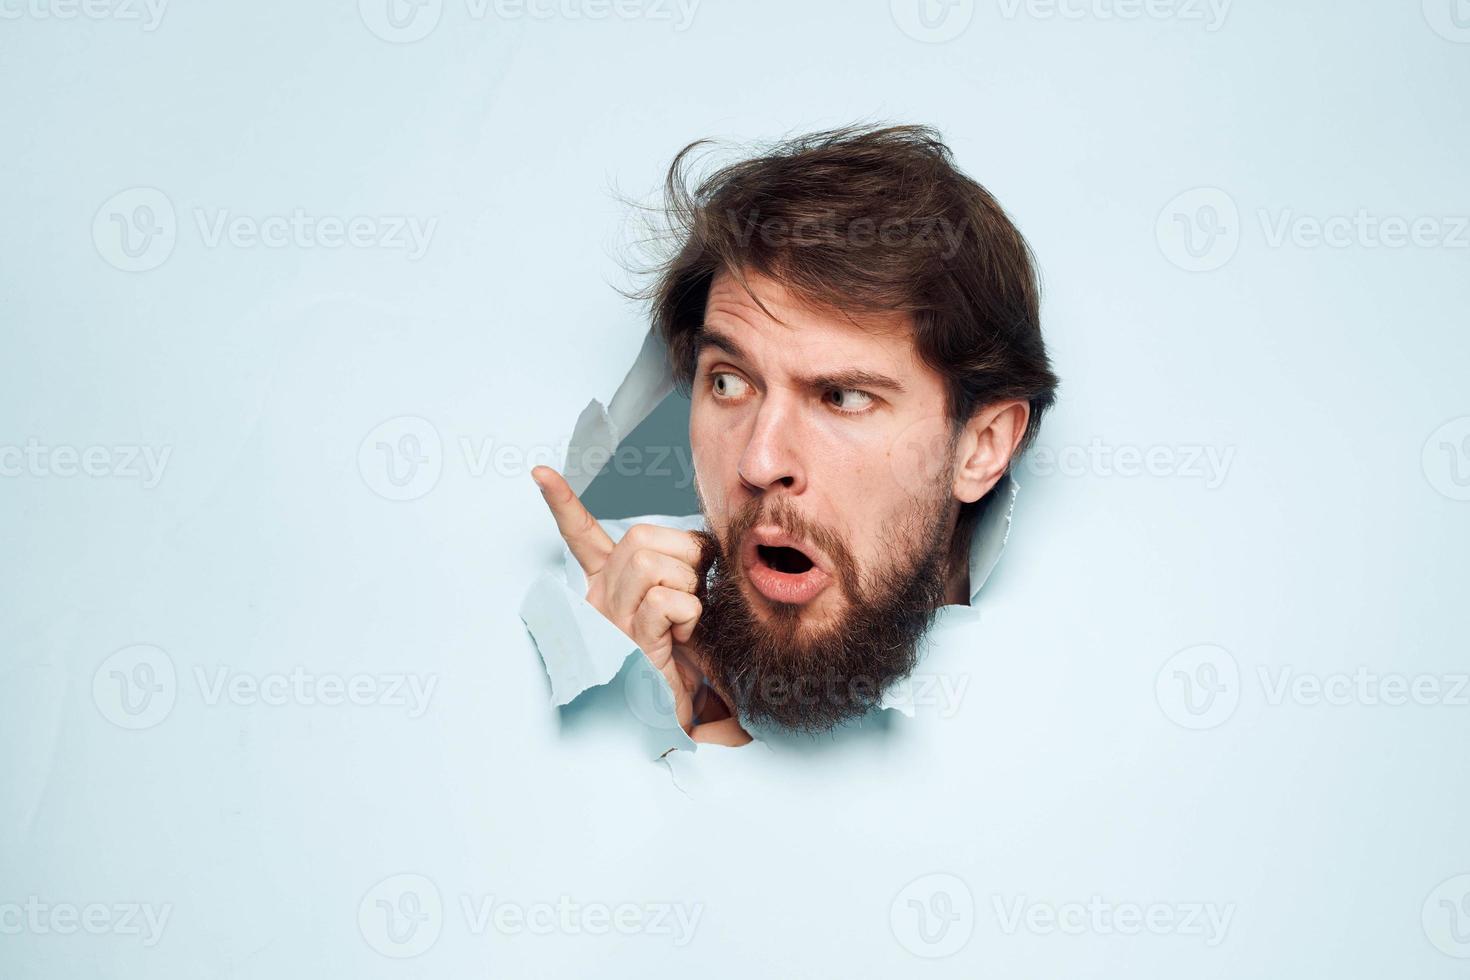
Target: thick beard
(797,677)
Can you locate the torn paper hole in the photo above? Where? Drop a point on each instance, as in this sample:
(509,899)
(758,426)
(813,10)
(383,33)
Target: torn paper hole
(582,650)
(600,429)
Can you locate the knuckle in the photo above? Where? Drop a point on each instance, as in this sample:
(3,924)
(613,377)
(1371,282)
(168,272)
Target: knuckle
(648,626)
(637,625)
(643,561)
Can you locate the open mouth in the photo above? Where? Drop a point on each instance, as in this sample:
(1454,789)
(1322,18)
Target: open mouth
(782,572)
(783,559)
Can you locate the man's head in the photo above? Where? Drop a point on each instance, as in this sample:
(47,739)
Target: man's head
(856,323)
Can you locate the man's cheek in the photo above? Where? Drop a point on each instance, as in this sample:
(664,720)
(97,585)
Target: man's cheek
(709,481)
(918,455)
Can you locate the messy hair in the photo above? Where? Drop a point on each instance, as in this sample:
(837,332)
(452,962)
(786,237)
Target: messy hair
(863,220)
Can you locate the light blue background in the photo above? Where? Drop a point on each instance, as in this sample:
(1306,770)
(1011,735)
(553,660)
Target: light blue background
(1334,540)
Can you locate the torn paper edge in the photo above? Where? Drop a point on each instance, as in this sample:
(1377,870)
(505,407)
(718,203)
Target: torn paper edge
(579,647)
(991,533)
(600,429)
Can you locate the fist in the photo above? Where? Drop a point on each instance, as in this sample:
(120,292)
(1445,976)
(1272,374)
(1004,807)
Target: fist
(647,585)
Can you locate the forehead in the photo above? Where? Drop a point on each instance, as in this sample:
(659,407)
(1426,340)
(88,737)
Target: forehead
(800,339)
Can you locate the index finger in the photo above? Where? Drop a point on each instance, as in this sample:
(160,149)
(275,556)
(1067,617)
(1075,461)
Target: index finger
(588,542)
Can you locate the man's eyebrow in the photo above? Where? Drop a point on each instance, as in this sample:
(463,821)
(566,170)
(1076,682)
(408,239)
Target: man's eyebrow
(845,379)
(849,379)
(709,337)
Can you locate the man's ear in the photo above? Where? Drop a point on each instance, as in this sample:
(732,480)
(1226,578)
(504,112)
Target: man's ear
(985,447)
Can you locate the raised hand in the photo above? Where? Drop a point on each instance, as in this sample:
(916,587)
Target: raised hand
(647,585)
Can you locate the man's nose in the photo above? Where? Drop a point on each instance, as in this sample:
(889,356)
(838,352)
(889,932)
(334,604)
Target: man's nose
(771,458)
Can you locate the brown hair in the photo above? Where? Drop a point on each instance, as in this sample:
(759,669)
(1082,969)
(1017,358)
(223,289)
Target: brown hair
(865,220)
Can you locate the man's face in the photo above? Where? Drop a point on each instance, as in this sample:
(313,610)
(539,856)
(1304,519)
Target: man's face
(831,529)
(819,418)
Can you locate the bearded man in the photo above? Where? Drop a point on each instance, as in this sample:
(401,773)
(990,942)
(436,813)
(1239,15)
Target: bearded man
(856,323)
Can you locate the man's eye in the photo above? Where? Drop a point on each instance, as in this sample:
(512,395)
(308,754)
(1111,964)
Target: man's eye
(727,385)
(850,400)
